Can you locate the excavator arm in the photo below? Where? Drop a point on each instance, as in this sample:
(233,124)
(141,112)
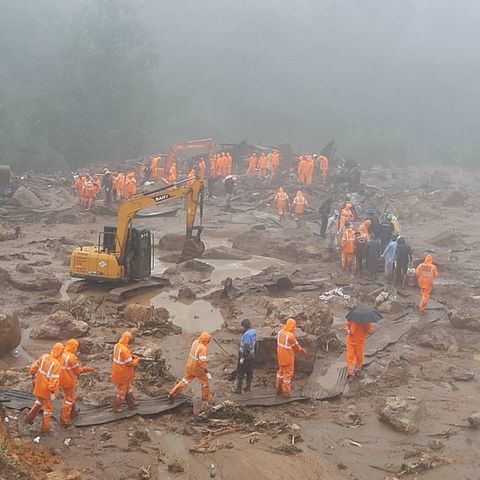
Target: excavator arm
(209,143)
(191,188)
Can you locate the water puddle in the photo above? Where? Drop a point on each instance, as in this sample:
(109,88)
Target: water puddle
(194,317)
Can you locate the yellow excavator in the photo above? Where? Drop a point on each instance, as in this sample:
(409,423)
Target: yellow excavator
(125,252)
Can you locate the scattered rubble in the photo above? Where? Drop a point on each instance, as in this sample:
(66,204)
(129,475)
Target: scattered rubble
(186,293)
(60,326)
(150,320)
(474,420)
(455,198)
(400,414)
(23,197)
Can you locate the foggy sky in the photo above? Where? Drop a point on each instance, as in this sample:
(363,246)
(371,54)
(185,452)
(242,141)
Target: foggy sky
(380,77)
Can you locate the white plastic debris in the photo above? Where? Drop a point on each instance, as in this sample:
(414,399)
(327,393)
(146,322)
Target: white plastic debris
(67,442)
(6,419)
(36,439)
(336,292)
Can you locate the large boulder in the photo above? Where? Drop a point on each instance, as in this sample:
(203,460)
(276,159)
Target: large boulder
(171,241)
(10,333)
(464,319)
(60,326)
(401,414)
(23,197)
(314,317)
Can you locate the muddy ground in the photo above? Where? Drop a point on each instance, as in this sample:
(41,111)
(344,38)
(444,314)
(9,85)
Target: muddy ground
(434,365)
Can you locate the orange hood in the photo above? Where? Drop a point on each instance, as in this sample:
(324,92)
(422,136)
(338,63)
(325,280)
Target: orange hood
(57,350)
(72,346)
(291,325)
(205,338)
(126,338)
(428,259)
(281,190)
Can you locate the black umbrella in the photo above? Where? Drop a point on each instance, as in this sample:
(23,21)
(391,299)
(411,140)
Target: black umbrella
(364,315)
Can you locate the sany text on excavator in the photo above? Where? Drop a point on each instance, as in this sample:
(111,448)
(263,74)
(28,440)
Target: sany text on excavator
(125,252)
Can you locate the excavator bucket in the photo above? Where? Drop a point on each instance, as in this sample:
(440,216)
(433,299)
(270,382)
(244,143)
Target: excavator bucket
(193,247)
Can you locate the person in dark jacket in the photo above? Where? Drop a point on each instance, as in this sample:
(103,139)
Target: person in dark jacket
(246,356)
(372,254)
(404,259)
(324,212)
(107,184)
(360,248)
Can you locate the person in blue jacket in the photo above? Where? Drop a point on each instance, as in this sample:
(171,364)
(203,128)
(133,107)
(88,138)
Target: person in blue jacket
(246,356)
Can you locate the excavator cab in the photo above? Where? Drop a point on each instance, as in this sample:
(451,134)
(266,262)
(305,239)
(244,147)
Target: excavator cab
(139,254)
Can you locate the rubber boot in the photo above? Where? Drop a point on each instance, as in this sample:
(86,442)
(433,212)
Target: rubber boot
(117,403)
(238,387)
(248,386)
(130,399)
(32,413)
(46,423)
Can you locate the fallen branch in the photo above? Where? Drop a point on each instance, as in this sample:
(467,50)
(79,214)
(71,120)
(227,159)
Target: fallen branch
(222,348)
(212,435)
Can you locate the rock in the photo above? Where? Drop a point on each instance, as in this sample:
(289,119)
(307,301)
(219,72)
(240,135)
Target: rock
(197,266)
(171,241)
(20,267)
(438,339)
(58,475)
(314,317)
(170,257)
(455,198)
(464,319)
(36,282)
(474,420)
(400,414)
(186,293)
(448,238)
(225,253)
(10,333)
(390,306)
(435,445)
(25,198)
(3,233)
(60,326)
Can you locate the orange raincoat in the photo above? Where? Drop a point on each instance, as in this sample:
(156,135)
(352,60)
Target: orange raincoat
(252,164)
(345,216)
(47,374)
(202,167)
(364,229)
(70,369)
(130,185)
(348,249)
(302,170)
(123,370)
(309,168)
(287,345)
(197,367)
(426,273)
(275,160)
(119,185)
(356,338)
(324,166)
(172,174)
(299,204)
(281,202)
(262,165)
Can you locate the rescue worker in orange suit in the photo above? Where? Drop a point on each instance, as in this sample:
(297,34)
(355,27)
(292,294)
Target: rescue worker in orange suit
(130,185)
(324,164)
(79,185)
(220,165)
(302,170)
(364,229)
(357,334)
(213,165)
(426,273)
(172,174)
(47,374)
(299,204)
(192,174)
(228,164)
(345,216)
(287,345)
(348,248)
(262,165)
(281,203)
(97,183)
(275,161)
(252,165)
(309,169)
(89,192)
(119,185)
(202,167)
(70,369)
(154,162)
(197,367)
(123,371)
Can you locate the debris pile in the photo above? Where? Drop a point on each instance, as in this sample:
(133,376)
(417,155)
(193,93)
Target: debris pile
(150,320)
